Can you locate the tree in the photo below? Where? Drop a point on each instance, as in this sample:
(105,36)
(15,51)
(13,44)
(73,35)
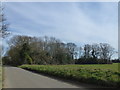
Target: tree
(96,54)
(106,51)
(71,49)
(13,55)
(80,49)
(95,51)
(15,46)
(25,54)
(87,49)
(3,29)
(3,25)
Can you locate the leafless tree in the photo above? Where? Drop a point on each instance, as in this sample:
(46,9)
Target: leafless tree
(87,49)
(71,49)
(80,51)
(95,51)
(3,25)
(106,51)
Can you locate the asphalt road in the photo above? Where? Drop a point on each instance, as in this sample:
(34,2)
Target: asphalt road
(18,78)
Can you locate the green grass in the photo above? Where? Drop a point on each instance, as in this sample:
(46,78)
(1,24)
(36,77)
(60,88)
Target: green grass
(112,67)
(101,74)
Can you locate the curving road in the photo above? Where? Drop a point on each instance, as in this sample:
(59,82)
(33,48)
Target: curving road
(18,78)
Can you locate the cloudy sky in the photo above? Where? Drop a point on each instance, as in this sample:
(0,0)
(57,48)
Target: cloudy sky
(78,22)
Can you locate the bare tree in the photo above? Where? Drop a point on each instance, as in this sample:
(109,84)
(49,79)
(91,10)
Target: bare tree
(87,49)
(95,51)
(3,29)
(80,51)
(3,25)
(106,51)
(71,49)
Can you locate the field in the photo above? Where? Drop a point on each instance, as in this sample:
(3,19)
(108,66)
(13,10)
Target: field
(101,74)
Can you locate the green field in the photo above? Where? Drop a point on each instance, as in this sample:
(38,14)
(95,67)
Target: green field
(101,74)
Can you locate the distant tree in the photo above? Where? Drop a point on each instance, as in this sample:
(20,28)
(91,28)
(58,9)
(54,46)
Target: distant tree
(96,54)
(87,49)
(15,46)
(25,54)
(116,61)
(80,50)
(106,51)
(49,50)
(71,49)
(13,55)
(95,51)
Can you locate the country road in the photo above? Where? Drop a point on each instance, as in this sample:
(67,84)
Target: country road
(19,78)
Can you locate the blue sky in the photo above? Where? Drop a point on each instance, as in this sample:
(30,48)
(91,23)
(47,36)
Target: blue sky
(78,22)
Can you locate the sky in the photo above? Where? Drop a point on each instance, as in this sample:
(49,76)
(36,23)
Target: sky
(77,22)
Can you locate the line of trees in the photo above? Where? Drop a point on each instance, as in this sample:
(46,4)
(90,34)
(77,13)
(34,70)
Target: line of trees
(96,54)
(49,50)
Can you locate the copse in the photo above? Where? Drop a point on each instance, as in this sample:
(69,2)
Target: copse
(49,50)
(39,50)
(96,54)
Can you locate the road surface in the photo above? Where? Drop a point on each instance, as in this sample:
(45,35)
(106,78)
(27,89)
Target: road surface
(18,78)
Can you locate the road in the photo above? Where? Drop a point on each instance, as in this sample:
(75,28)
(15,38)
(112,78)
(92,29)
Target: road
(18,78)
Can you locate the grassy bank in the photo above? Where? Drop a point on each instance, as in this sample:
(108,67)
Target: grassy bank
(105,75)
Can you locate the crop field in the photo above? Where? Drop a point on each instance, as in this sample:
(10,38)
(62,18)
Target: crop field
(100,74)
